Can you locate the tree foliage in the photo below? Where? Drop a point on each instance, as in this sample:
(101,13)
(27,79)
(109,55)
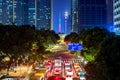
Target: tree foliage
(16,41)
(104,47)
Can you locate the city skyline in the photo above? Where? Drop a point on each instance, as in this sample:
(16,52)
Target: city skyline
(26,12)
(45,14)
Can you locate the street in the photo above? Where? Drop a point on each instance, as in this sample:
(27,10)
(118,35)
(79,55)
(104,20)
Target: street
(61,66)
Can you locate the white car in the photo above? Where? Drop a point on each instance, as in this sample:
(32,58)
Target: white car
(69,72)
(68,77)
(67,67)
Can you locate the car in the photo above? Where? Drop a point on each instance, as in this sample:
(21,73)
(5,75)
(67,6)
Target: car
(69,72)
(78,69)
(67,66)
(76,65)
(57,72)
(69,77)
(40,73)
(37,67)
(82,75)
(67,63)
(57,67)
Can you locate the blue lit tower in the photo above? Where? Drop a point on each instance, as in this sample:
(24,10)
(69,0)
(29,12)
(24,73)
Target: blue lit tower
(59,25)
(116,16)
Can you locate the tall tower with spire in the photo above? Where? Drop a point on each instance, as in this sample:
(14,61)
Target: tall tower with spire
(59,26)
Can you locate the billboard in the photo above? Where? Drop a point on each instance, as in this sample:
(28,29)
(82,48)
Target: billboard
(74,46)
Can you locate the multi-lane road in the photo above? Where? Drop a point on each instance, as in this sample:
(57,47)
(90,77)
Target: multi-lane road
(65,67)
(61,66)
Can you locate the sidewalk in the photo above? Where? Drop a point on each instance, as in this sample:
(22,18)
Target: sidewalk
(2,72)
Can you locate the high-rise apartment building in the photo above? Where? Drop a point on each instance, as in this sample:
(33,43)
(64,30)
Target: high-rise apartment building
(116,16)
(89,13)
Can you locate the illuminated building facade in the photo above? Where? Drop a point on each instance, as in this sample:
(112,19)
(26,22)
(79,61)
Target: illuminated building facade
(13,12)
(89,13)
(44,14)
(1,11)
(26,12)
(7,11)
(116,16)
(74,14)
(20,12)
(67,23)
(31,12)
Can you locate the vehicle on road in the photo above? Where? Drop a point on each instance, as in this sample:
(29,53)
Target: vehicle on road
(81,75)
(69,72)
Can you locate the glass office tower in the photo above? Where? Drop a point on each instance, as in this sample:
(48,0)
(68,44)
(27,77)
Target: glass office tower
(26,12)
(116,16)
(89,13)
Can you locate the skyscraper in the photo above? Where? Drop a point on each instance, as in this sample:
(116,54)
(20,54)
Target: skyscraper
(89,13)
(13,12)
(31,12)
(7,12)
(74,14)
(67,23)
(20,12)
(110,15)
(26,12)
(116,16)
(1,11)
(44,14)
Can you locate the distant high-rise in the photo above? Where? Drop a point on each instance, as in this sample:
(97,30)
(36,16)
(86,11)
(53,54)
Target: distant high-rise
(26,12)
(89,13)
(43,14)
(13,12)
(1,5)
(74,14)
(6,11)
(31,12)
(20,12)
(67,23)
(116,16)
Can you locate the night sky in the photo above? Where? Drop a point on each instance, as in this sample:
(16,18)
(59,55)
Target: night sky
(59,7)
